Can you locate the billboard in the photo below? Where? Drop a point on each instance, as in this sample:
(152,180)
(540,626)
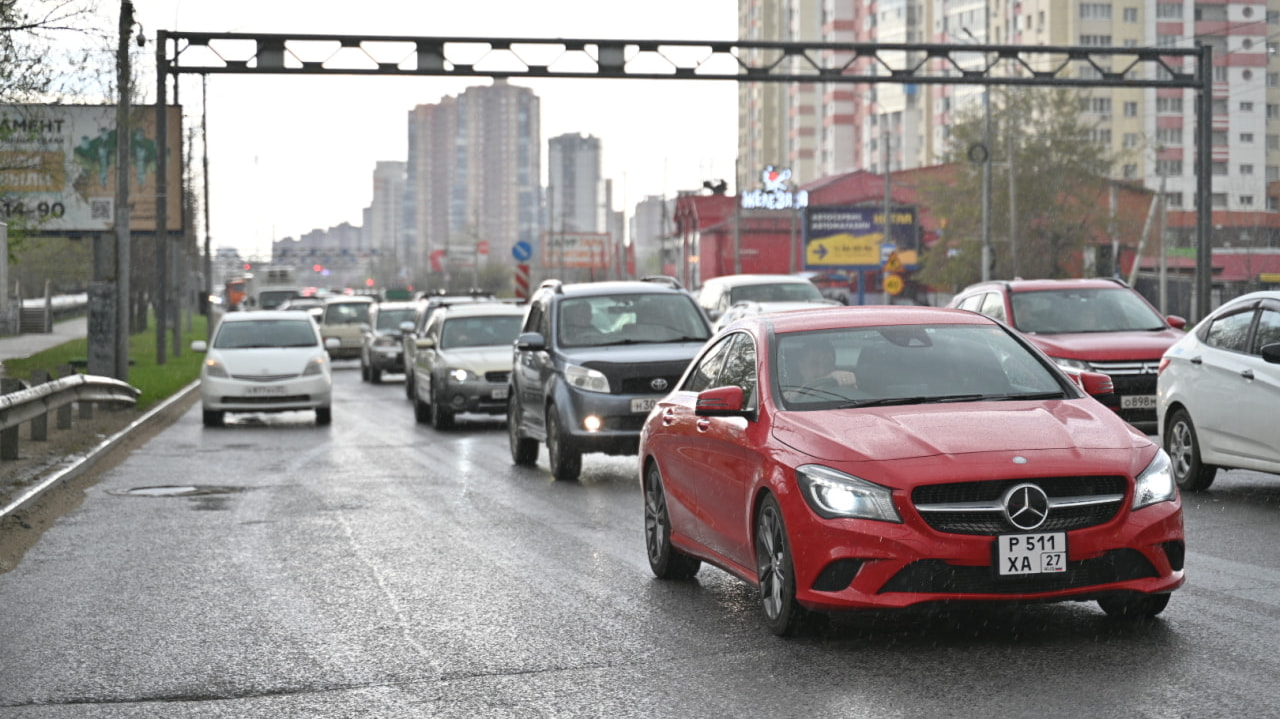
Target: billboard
(58,167)
(853,238)
(583,250)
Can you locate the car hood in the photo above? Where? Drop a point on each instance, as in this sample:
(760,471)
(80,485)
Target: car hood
(1080,428)
(1103,346)
(266,360)
(633,353)
(480,359)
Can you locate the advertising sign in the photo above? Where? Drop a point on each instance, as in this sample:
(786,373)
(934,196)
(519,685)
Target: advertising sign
(58,167)
(854,238)
(585,250)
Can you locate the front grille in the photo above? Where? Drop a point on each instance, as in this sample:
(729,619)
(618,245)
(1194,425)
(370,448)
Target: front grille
(497,377)
(974,507)
(263,377)
(934,576)
(638,378)
(1129,368)
(267,399)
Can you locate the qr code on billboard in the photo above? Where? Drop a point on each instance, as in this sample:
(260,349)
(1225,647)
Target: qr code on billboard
(101,209)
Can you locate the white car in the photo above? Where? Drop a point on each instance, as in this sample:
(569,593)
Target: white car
(266,361)
(746,308)
(1218,390)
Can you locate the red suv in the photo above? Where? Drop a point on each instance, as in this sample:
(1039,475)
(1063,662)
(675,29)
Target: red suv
(1101,324)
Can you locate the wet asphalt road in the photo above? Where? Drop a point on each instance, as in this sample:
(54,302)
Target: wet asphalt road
(377,568)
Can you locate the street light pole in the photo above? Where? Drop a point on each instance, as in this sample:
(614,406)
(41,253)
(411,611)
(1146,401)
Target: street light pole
(123,110)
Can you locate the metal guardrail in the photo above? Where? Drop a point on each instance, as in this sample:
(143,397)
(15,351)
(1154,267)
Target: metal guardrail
(36,402)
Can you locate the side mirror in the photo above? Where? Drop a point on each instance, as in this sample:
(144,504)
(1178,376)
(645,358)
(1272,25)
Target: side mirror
(332,343)
(722,402)
(202,346)
(1271,353)
(364,327)
(531,342)
(1176,322)
(406,327)
(425,343)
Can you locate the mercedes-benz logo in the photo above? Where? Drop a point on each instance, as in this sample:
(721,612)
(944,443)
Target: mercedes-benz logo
(658,384)
(1026,506)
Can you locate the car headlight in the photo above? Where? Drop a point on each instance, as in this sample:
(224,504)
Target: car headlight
(1155,484)
(833,494)
(585,378)
(214,368)
(315,365)
(1072,363)
(462,375)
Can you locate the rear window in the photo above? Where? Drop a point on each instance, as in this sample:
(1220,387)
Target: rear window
(346,313)
(265,333)
(776,292)
(1116,309)
(391,319)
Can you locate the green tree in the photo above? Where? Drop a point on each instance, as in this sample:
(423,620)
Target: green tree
(1060,183)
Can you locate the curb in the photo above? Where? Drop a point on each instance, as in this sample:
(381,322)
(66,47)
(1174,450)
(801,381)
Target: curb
(155,415)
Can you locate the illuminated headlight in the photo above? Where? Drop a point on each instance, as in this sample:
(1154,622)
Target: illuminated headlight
(462,375)
(1072,363)
(314,366)
(835,494)
(1155,484)
(586,379)
(214,368)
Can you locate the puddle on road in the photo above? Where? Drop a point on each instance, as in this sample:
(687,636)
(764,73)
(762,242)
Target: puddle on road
(187,490)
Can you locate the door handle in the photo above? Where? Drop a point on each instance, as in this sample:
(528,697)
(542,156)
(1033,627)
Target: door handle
(704,424)
(1197,360)
(668,418)
(1247,374)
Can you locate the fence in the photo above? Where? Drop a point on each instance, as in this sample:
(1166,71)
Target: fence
(54,396)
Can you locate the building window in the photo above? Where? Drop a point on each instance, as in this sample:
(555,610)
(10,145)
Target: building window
(1246,107)
(1096,40)
(1130,109)
(1273,203)
(1131,139)
(1168,168)
(1246,138)
(1246,200)
(1169,11)
(1131,14)
(1095,11)
(1130,171)
(1246,169)
(1219,138)
(1220,74)
(1273,173)
(1219,200)
(1172,136)
(1167,40)
(1173,199)
(1273,111)
(1218,168)
(1173,106)
(1097,105)
(1101,136)
(1273,79)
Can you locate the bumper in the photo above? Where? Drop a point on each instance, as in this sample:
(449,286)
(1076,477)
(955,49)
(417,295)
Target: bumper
(475,397)
(231,395)
(388,359)
(858,564)
(621,418)
(349,347)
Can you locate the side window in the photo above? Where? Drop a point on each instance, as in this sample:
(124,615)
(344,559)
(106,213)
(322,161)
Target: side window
(1268,331)
(993,306)
(704,373)
(542,324)
(740,367)
(1230,332)
(973,303)
(533,319)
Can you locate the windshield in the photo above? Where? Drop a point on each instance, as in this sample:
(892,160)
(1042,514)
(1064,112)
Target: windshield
(776,292)
(868,366)
(1118,309)
(272,299)
(389,320)
(346,313)
(266,333)
(630,319)
(491,331)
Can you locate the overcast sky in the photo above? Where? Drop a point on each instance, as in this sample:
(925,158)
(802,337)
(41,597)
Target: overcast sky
(292,154)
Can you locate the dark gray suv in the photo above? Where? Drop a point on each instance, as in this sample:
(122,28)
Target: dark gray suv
(592,359)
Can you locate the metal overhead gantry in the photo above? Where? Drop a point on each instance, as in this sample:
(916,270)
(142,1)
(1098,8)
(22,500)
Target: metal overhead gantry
(739,61)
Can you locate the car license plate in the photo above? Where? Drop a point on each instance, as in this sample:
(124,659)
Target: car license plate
(1018,554)
(498,393)
(643,404)
(259,390)
(1138,401)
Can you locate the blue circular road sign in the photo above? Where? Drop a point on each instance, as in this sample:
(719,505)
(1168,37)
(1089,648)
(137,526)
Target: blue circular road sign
(522,251)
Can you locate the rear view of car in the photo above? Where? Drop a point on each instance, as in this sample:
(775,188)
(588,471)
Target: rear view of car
(268,361)
(343,319)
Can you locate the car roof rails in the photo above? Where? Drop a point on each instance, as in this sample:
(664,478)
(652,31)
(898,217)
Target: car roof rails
(667,280)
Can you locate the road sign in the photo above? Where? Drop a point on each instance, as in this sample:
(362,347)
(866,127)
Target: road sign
(844,249)
(522,281)
(522,251)
(482,247)
(437,260)
(893,284)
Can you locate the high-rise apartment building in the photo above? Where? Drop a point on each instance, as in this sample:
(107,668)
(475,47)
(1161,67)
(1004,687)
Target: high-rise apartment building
(575,184)
(1152,130)
(386,211)
(474,171)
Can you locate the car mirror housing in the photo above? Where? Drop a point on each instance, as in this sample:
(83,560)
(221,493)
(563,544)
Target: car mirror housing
(406,327)
(425,343)
(531,342)
(332,343)
(1096,384)
(1271,353)
(202,346)
(722,402)
(1176,322)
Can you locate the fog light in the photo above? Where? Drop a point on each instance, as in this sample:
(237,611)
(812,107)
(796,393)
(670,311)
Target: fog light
(458,400)
(592,423)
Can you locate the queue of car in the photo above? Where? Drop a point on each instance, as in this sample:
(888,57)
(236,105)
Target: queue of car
(854,458)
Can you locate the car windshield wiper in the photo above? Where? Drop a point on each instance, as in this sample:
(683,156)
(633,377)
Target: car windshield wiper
(1014,396)
(919,399)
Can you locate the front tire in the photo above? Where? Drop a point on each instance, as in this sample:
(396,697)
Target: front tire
(1181,443)
(524,451)
(1140,606)
(784,616)
(375,374)
(213,418)
(566,462)
(409,390)
(666,561)
(421,410)
(324,416)
(441,418)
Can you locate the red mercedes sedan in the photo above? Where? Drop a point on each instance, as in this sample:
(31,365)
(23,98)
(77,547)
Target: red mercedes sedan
(884,457)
